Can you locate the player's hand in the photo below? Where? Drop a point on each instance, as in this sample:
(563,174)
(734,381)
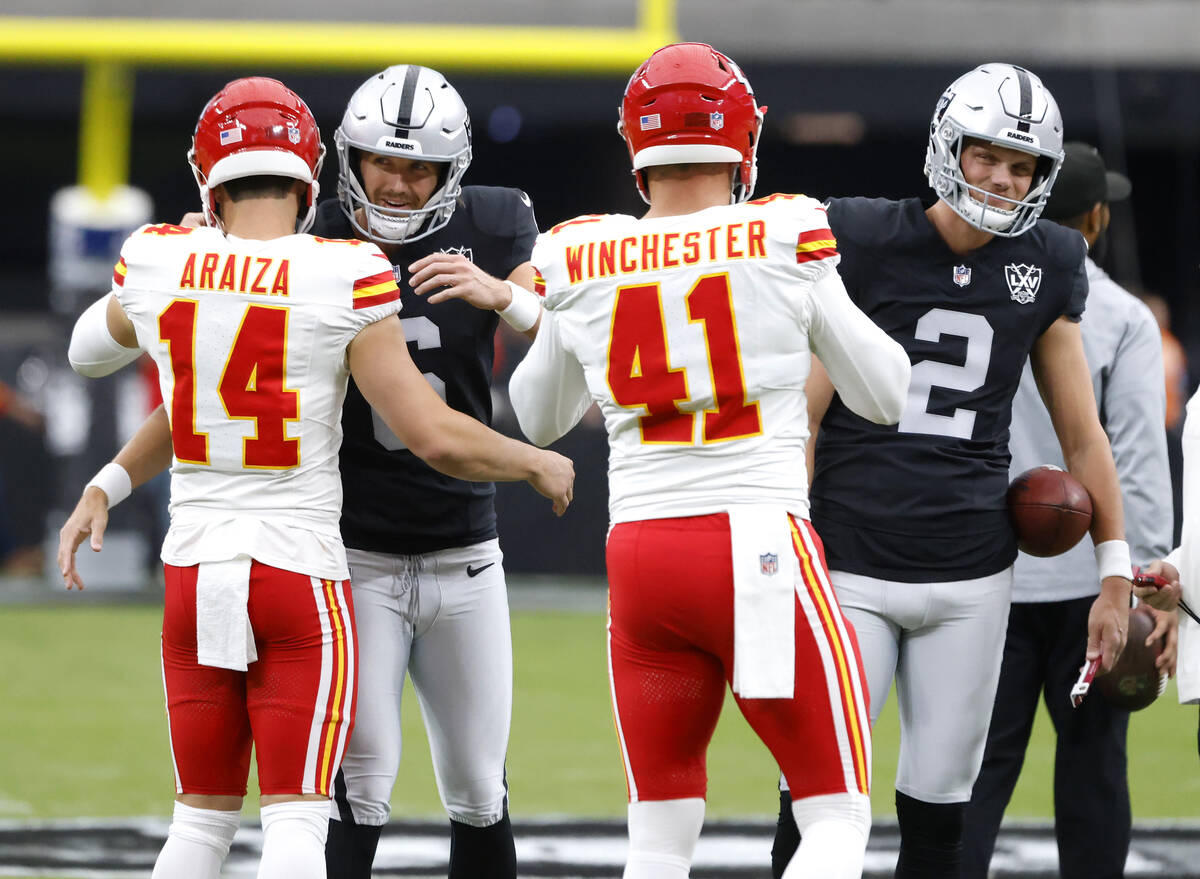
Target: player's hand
(1157,596)
(554,478)
(1166,624)
(1108,621)
(90,516)
(193,220)
(453,276)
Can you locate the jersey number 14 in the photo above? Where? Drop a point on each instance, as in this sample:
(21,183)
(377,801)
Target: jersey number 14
(253,386)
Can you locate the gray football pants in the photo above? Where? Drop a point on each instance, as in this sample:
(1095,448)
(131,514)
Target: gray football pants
(450,632)
(942,644)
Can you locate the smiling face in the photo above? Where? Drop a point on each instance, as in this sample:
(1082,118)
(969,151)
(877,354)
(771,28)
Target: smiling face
(998,171)
(396,182)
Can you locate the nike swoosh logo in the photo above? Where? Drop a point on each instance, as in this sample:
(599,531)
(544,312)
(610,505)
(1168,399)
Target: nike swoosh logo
(475,572)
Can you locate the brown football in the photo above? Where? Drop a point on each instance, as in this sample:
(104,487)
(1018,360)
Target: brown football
(1050,510)
(1134,681)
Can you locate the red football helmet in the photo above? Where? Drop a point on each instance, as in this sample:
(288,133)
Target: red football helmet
(256,126)
(689,103)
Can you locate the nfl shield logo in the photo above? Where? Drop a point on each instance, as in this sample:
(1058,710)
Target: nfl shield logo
(716,120)
(962,276)
(1023,282)
(293,134)
(768,563)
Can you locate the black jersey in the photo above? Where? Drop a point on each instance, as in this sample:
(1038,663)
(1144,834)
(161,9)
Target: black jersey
(923,501)
(393,501)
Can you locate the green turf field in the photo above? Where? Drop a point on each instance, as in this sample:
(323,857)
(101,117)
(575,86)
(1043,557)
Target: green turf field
(84,730)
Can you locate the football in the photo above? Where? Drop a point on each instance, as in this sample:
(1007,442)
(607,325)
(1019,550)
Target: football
(1134,682)
(1050,510)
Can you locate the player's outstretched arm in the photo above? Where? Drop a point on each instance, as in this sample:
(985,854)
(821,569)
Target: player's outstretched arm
(1065,383)
(147,454)
(443,438)
(869,368)
(103,339)
(443,276)
(548,389)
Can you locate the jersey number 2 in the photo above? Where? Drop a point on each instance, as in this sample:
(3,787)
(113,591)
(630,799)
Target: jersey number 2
(640,373)
(253,386)
(930,374)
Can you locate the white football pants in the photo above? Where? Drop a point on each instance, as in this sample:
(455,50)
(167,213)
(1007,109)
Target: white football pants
(428,616)
(942,643)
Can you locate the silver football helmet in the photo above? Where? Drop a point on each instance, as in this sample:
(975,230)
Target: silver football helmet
(1008,106)
(410,112)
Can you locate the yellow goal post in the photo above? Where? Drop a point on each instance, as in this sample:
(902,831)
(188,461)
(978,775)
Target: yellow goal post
(111,48)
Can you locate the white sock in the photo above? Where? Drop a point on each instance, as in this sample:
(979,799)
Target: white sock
(662,838)
(833,836)
(197,843)
(294,840)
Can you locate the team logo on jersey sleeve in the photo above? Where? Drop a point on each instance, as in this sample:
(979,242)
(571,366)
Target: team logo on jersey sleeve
(1023,282)
(962,275)
(768,563)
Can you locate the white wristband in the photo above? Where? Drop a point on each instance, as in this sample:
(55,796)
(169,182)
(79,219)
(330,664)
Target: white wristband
(523,312)
(114,481)
(1112,558)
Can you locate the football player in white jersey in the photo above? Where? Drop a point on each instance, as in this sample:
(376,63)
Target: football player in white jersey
(256,330)
(693,328)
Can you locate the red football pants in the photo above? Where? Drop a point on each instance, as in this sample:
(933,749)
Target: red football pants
(295,704)
(671,654)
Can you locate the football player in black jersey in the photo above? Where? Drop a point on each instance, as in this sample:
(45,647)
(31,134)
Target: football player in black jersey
(913,516)
(426,567)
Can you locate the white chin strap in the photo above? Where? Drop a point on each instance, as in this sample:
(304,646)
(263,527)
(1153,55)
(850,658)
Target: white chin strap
(988,216)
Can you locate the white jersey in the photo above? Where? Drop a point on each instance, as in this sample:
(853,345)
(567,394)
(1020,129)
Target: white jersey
(250,342)
(694,334)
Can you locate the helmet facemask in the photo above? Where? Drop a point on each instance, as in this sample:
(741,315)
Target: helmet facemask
(412,113)
(1006,106)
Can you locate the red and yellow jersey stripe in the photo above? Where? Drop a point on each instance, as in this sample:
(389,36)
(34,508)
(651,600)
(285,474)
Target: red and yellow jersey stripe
(119,272)
(375,290)
(539,282)
(815,244)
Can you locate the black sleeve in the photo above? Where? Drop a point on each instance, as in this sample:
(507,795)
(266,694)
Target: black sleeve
(506,213)
(1077,300)
(525,230)
(841,222)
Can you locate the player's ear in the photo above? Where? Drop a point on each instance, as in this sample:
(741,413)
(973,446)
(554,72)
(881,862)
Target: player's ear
(1095,220)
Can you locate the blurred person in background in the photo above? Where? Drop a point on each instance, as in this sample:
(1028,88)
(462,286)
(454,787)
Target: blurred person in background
(693,328)
(1052,597)
(17,560)
(972,287)
(249,321)
(1178,383)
